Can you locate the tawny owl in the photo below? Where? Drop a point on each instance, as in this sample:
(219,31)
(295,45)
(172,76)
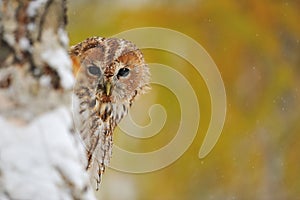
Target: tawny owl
(110,72)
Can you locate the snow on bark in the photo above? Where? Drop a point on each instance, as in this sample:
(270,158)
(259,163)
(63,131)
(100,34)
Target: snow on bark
(58,59)
(41,160)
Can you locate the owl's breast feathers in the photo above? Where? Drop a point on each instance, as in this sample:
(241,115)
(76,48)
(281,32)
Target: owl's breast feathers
(110,112)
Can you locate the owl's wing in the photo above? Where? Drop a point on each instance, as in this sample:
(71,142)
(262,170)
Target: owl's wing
(96,136)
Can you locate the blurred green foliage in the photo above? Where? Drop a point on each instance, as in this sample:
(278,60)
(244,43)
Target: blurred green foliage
(256,45)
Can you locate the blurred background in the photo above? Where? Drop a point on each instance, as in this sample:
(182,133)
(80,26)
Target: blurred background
(256,46)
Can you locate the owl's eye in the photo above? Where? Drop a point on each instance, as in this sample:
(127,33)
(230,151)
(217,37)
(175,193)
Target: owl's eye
(123,72)
(94,70)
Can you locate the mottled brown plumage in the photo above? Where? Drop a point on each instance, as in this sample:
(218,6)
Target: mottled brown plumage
(110,72)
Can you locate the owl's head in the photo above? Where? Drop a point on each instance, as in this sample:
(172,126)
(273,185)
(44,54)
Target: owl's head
(112,69)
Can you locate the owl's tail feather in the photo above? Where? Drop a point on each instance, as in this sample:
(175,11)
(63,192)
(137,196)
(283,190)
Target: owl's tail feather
(99,155)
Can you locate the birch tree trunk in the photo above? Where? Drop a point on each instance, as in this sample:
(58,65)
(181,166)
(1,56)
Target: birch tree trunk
(40,157)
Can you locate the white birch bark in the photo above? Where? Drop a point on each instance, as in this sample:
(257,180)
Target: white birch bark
(40,157)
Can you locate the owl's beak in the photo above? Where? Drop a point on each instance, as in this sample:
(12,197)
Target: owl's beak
(108,88)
